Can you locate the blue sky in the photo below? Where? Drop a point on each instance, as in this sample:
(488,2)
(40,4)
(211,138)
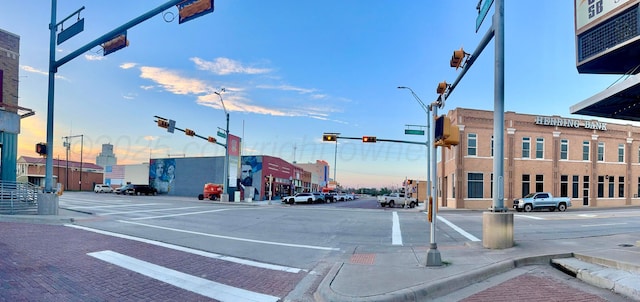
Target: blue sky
(292,70)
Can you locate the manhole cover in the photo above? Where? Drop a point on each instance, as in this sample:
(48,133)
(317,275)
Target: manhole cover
(625,245)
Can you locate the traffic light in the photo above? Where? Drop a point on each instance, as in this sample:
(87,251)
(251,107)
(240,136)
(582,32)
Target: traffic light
(369,139)
(446,134)
(211,139)
(457,60)
(442,87)
(189,132)
(116,43)
(191,9)
(329,137)
(41,148)
(163,123)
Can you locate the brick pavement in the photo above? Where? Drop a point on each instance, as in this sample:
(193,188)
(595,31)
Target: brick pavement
(50,263)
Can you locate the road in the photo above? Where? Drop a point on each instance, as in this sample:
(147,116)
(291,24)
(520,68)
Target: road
(305,240)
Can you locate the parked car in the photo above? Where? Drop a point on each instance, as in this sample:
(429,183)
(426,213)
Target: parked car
(300,197)
(123,189)
(141,189)
(318,197)
(540,200)
(102,188)
(397,198)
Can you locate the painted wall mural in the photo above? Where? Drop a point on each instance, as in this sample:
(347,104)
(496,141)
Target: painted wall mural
(162,174)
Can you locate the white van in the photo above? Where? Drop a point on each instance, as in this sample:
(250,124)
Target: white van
(102,188)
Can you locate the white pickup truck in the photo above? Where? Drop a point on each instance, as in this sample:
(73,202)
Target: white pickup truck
(541,200)
(394,199)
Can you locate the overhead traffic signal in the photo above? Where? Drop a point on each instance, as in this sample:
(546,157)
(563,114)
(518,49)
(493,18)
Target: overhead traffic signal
(116,43)
(41,148)
(191,9)
(211,139)
(369,139)
(189,132)
(446,134)
(329,137)
(163,123)
(442,87)
(457,59)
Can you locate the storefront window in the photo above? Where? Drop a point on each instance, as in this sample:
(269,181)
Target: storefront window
(474,185)
(621,186)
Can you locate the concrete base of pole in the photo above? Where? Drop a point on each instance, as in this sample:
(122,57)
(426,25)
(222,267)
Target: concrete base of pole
(433,256)
(48,204)
(497,230)
(224,197)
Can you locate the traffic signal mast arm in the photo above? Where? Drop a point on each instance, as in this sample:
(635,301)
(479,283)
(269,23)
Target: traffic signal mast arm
(383,140)
(194,134)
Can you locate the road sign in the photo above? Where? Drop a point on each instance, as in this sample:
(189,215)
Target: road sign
(482,13)
(222,134)
(414,131)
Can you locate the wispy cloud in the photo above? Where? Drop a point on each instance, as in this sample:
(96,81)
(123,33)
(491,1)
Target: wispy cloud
(225,66)
(173,82)
(40,72)
(128,65)
(286,88)
(94,57)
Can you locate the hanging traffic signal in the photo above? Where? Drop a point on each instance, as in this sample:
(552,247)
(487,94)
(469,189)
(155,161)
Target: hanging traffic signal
(189,132)
(369,139)
(329,137)
(41,148)
(446,134)
(163,123)
(211,139)
(457,60)
(116,43)
(191,9)
(442,87)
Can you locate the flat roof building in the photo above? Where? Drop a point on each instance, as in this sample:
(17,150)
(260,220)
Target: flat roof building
(594,163)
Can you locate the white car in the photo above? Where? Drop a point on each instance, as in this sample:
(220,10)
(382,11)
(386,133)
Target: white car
(102,188)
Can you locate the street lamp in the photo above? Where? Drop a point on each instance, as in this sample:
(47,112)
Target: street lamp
(226,147)
(433,255)
(427,110)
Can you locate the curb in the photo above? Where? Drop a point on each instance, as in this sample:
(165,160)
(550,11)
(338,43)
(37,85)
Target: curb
(433,290)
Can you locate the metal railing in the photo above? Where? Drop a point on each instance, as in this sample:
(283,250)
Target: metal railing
(18,198)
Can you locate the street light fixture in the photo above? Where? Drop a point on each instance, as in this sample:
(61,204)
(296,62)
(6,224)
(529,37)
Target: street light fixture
(433,255)
(226,147)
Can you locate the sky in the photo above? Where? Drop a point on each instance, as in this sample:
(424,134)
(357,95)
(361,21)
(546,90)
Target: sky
(291,70)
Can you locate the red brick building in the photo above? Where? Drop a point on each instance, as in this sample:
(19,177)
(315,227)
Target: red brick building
(78,176)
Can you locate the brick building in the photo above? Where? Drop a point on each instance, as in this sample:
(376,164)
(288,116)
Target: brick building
(594,163)
(72,175)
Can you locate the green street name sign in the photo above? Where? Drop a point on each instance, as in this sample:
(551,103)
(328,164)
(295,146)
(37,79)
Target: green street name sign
(221,134)
(483,13)
(414,132)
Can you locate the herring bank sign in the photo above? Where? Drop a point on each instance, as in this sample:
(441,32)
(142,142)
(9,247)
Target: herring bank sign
(569,123)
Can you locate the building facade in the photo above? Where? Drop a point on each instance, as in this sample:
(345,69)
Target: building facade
(594,163)
(72,175)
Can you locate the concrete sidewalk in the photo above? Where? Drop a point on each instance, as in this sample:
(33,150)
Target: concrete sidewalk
(400,274)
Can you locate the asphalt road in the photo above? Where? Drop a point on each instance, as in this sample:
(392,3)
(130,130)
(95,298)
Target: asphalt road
(310,238)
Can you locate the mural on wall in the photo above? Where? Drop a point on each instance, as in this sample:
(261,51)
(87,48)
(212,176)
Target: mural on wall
(162,174)
(250,172)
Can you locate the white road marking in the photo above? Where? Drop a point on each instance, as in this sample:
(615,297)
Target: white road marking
(144,211)
(530,217)
(188,282)
(193,251)
(587,215)
(113,206)
(458,229)
(191,213)
(602,224)
(234,238)
(396,234)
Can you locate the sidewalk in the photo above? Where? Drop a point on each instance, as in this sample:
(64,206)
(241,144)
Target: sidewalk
(400,274)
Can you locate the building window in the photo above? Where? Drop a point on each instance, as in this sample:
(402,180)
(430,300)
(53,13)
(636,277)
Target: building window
(600,151)
(453,186)
(564,149)
(601,186)
(611,180)
(564,185)
(621,186)
(471,144)
(585,150)
(539,148)
(526,147)
(620,153)
(576,186)
(474,185)
(539,183)
(526,184)
(492,146)
(491,184)
(638,195)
